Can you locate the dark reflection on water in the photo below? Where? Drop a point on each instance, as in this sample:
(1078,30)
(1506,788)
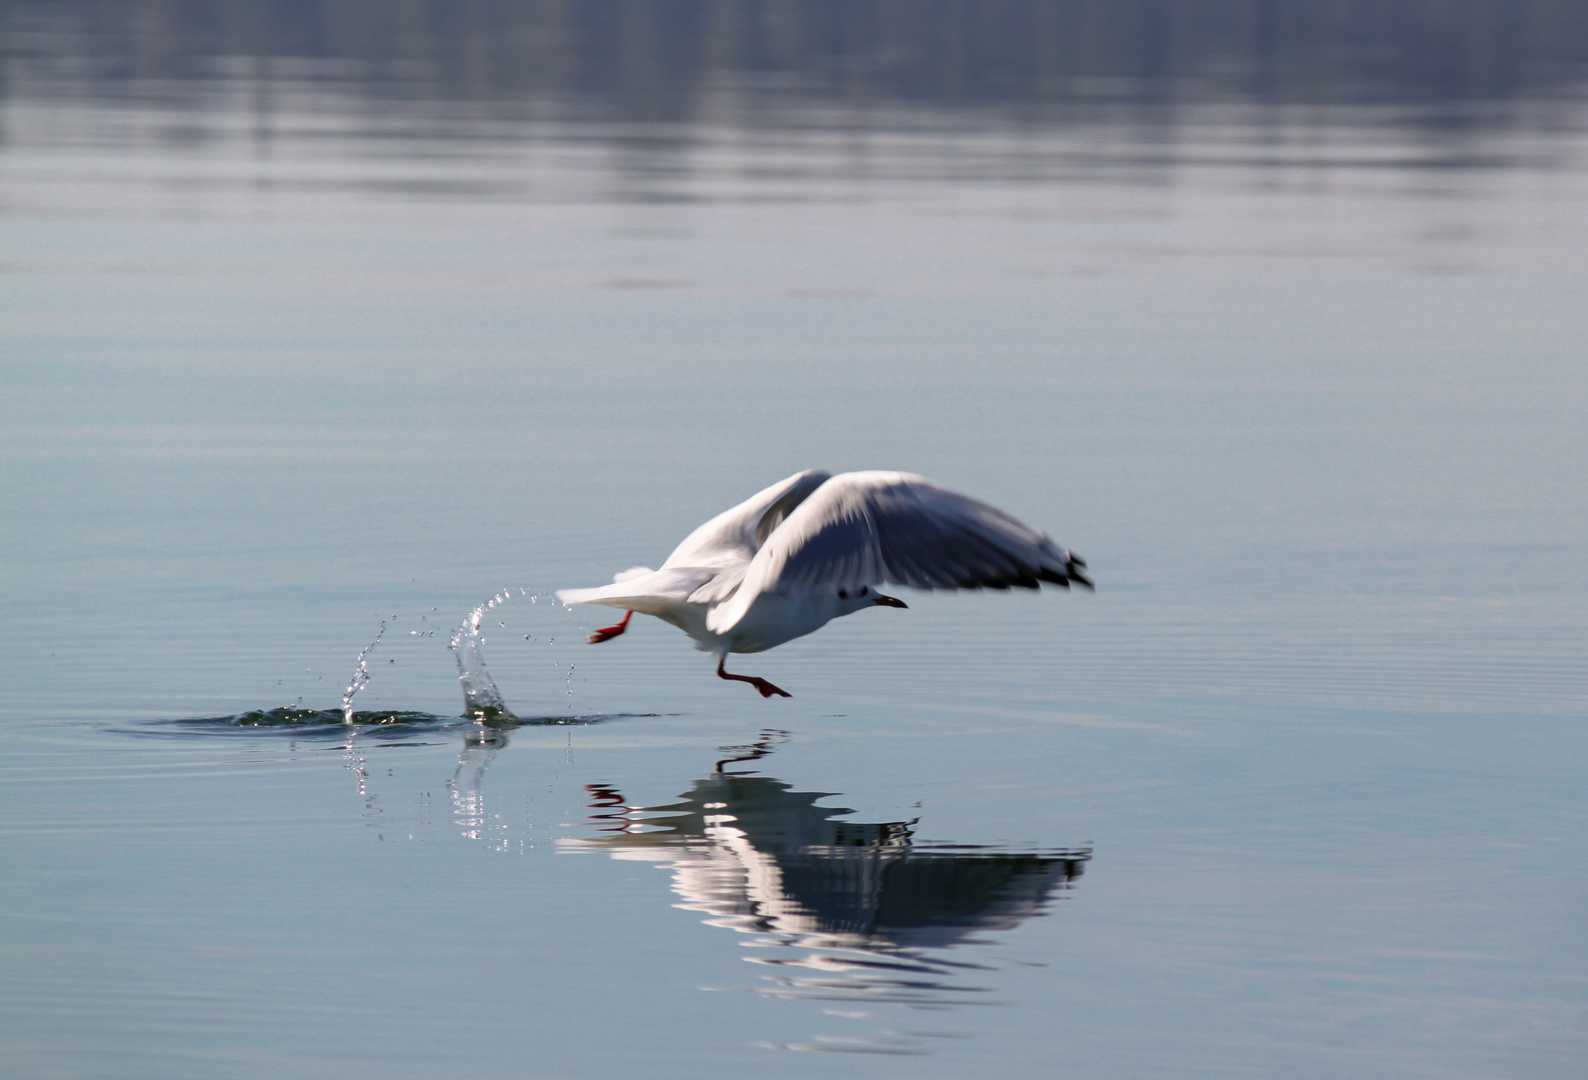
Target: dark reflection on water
(855,916)
(660,60)
(296,720)
(856,912)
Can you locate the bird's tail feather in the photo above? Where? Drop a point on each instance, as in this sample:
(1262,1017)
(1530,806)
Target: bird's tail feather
(644,592)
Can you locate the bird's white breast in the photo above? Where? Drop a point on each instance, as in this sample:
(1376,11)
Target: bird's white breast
(774,618)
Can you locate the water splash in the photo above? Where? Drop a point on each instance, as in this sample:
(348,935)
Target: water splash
(360,677)
(481,700)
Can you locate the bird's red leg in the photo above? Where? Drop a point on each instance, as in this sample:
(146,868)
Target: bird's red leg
(607,633)
(766,688)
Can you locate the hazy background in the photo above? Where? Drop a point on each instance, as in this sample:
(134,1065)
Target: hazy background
(318,318)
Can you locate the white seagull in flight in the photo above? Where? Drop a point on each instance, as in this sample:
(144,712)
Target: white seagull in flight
(789,560)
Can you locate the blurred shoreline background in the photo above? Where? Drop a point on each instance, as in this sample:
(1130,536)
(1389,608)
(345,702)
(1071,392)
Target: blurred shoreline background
(1442,71)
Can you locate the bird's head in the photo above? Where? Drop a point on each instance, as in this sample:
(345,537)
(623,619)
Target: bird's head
(852,600)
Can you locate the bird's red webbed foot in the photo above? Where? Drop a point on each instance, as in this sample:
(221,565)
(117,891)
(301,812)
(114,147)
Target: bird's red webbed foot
(607,633)
(766,688)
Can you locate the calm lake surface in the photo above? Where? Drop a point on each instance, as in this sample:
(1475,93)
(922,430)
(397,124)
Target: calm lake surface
(323,328)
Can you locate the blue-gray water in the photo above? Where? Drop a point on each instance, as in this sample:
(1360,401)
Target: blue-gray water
(296,343)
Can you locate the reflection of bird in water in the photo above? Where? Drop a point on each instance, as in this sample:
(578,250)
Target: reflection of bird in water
(860,899)
(809,549)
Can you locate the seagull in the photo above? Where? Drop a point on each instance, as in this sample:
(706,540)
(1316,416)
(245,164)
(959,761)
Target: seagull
(792,558)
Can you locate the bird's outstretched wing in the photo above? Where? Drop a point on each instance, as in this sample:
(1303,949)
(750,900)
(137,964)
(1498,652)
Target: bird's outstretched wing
(873,528)
(730,540)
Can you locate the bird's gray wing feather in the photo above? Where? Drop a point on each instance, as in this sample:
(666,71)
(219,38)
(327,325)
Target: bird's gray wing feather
(874,528)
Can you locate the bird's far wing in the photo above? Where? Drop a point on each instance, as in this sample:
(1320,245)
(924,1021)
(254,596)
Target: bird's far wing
(732,537)
(649,594)
(872,528)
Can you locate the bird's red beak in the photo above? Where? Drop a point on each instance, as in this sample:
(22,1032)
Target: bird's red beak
(889,601)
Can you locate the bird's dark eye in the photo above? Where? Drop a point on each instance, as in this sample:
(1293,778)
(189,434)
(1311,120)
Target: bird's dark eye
(843,594)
